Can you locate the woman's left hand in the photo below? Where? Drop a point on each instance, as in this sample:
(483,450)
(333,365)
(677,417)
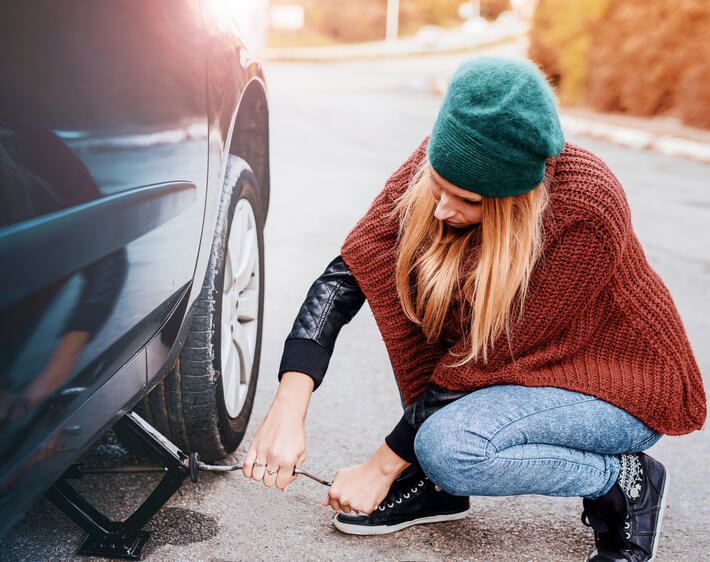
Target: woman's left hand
(359,488)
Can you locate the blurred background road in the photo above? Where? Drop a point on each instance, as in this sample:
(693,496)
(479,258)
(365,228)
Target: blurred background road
(338,130)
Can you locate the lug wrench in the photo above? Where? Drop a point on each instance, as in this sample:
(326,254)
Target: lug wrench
(192,462)
(195,465)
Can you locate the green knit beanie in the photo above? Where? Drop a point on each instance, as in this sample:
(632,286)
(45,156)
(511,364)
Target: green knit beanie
(496,127)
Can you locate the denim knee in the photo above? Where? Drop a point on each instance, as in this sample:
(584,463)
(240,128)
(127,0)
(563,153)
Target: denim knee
(647,443)
(446,453)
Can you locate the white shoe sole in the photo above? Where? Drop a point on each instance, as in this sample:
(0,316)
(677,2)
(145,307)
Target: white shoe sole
(664,500)
(353,529)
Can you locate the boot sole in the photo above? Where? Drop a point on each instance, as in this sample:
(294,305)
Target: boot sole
(664,499)
(353,529)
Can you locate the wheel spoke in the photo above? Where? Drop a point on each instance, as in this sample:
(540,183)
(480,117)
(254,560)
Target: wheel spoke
(227,352)
(247,260)
(243,389)
(233,250)
(231,378)
(240,307)
(229,307)
(248,305)
(243,344)
(228,272)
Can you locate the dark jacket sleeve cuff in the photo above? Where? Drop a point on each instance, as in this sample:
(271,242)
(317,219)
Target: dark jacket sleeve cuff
(305,356)
(401,440)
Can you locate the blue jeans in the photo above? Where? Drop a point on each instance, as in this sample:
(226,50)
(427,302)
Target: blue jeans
(507,440)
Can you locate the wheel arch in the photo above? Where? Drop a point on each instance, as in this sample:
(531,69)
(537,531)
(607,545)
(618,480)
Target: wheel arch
(250,135)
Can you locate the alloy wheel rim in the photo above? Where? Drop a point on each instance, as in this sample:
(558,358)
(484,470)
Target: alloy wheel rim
(240,308)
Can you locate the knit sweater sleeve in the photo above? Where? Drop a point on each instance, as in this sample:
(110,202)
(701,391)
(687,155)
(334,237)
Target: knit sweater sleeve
(370,252)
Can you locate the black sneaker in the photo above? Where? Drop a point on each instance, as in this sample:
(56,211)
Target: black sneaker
(412,499)
(627,519)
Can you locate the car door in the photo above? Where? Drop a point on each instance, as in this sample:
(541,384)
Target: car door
(103,163)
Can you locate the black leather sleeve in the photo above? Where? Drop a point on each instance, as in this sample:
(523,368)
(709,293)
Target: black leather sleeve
(331,302)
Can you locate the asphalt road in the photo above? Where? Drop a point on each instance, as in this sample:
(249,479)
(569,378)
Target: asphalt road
(338,131)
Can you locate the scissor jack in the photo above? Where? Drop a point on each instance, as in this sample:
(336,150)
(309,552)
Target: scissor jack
(126,539)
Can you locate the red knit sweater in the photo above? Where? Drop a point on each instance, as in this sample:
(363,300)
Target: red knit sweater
(597,318)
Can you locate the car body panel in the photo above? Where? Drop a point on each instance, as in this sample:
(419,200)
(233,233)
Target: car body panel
(112,127)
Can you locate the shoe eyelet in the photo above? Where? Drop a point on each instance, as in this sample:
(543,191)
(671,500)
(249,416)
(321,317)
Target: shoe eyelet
(390,505)
(627,525)
(406,495)
(381,508)
(420,483)
(627,536)
(414,490)
(398,500)
(627,516)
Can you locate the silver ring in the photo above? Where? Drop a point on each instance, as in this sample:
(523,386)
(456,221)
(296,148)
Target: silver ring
(257,463)
(270,472)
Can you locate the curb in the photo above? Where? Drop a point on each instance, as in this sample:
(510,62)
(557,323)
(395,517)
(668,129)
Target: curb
(383,50)
(638,138)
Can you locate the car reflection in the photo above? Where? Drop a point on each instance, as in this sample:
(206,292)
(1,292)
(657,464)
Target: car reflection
(41,175)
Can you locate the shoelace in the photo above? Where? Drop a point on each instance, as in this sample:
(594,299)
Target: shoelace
(623,535)
(398,496)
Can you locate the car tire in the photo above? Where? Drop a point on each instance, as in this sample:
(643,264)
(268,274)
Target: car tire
(196,405)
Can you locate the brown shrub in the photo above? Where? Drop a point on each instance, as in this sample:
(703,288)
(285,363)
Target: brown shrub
(345,20)
(562,32)
(633,56)
(694,93)
(542,49)
(640,56)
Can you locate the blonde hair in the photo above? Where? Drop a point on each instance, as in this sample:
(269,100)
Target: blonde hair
(429,258)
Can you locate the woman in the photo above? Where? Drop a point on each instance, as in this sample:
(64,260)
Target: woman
(535,349)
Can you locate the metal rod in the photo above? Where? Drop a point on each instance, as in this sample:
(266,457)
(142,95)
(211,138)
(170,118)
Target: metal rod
(122,469)
(219,467)
(313,476)
(232,467)
(201,465)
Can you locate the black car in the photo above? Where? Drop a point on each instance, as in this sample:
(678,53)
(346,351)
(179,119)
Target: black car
(134,187)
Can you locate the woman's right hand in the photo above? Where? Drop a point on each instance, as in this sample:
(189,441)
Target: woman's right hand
(280,442)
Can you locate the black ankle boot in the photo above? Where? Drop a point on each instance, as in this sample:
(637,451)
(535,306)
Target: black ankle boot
(627,519)
(411,500)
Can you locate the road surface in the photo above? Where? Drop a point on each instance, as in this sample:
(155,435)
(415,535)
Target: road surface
(337,132)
